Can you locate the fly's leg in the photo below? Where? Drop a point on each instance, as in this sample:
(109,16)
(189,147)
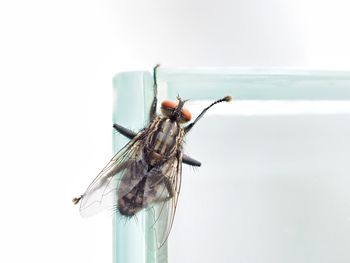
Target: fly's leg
(130,134)
(124,131)
(190,126)
(155,91)
(162,200)
(170,190)
(190,161)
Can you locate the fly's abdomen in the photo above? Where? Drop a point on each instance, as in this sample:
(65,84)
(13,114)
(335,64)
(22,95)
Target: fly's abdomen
(132,202)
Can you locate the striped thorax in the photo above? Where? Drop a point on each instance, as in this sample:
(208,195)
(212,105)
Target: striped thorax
(164,140)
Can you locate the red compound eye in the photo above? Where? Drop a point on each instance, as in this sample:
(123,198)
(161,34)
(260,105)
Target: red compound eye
(167,104)
(186,114)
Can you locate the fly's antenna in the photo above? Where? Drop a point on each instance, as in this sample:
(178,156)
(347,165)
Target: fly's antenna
(190,126)
(76,200)
(177,111)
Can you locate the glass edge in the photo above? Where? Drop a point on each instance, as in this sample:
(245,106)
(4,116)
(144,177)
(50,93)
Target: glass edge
(145,85)
(252,71)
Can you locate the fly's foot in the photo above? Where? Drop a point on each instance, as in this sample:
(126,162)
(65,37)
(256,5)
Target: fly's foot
(76,200)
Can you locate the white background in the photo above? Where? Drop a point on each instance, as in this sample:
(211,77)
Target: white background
(57,60)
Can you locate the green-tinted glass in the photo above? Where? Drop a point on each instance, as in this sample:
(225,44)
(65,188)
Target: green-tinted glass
(277,140)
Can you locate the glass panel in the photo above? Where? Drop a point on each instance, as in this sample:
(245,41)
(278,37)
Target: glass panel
(273,186)
(133,238)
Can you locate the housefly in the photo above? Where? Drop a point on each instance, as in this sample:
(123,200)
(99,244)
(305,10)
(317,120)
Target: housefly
(146,172)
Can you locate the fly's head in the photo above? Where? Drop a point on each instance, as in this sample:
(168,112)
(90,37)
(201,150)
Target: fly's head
(175,111)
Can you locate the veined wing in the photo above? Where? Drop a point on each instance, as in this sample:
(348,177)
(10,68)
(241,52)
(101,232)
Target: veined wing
(162,193)
(101,193)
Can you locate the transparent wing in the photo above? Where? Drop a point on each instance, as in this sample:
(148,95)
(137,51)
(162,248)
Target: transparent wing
(101,193)
(163,192)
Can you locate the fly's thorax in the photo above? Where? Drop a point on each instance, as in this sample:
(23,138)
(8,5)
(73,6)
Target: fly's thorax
(164,139)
